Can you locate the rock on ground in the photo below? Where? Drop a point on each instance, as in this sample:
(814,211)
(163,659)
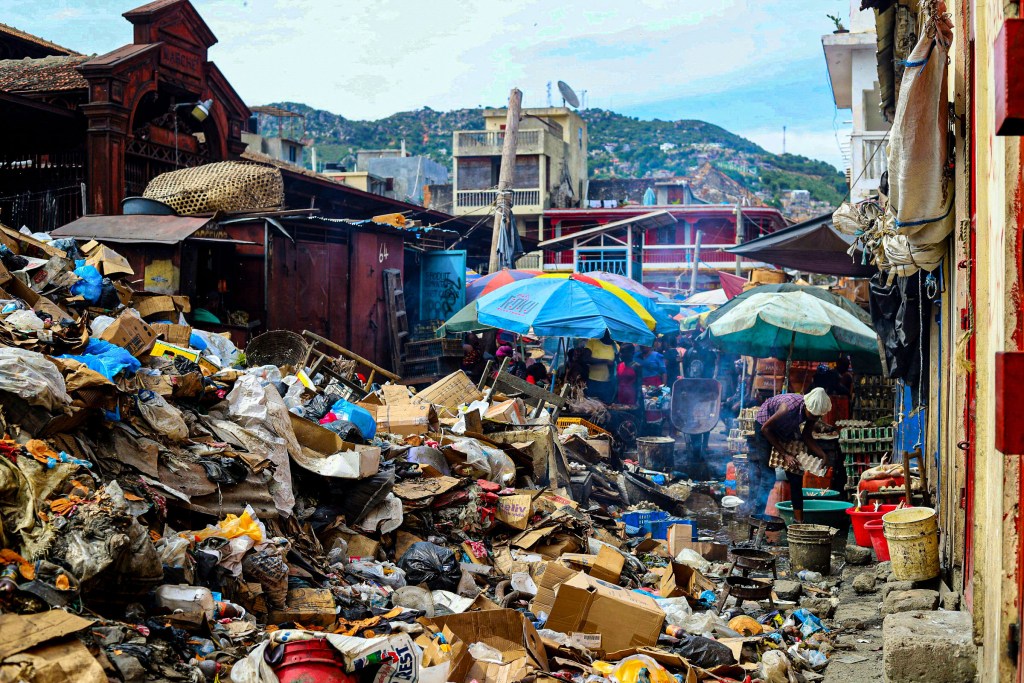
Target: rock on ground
(856,555)
(895,586)
(883,570)
(788,590)
(864,583)
(917,599)
(936,647)
(823,608)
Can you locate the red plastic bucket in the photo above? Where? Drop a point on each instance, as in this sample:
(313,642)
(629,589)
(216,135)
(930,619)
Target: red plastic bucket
(312,661)
(878,540)
(866,514)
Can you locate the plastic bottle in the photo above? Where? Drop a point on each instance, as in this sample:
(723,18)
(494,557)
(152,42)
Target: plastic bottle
(8,579)
(730,479)
(809,576)
(185,598)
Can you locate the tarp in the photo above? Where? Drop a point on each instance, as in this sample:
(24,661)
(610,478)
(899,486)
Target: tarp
(813,246)
(732,285)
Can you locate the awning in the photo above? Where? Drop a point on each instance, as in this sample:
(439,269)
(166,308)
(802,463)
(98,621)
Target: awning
(654,219)
(134,228)
(813,246)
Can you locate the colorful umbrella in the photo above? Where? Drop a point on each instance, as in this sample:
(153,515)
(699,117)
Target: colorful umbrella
(713,297)
(625,283)
(463,321)
(794,326)
(489,283)
(563,307)
(640,305)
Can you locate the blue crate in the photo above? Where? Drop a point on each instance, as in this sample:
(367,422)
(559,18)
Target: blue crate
(658,528)
(638,518)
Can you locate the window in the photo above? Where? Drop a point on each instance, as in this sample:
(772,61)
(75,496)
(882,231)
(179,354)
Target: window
(292,156)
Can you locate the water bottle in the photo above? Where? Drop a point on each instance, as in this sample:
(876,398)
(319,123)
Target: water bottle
(810,577)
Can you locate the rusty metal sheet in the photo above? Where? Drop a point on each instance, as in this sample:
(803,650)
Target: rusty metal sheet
(132,228)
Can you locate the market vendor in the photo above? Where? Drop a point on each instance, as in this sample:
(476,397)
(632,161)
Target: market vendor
(783,421)
(652,367)
(600,369)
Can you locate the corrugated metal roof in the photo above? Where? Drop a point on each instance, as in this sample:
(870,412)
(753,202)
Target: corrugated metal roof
(135,228)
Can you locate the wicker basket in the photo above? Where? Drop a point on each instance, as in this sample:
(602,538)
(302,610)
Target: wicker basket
(221,186)
(277,347)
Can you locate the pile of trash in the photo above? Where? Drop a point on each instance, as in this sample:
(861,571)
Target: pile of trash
(169,513)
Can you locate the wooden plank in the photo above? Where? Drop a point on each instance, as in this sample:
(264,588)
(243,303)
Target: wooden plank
(531,390)
(349,354)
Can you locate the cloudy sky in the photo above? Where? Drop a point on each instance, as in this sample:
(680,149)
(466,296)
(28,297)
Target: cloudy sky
(752,66)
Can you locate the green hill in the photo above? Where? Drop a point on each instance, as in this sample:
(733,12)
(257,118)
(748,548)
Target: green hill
(620,146)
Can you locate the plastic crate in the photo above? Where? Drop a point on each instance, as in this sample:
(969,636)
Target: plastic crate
(594,430)
(658,529)
(638,518)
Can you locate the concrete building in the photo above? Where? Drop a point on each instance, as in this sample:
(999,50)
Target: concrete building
(408,174)
(285,134)
(853,76)
(551,164)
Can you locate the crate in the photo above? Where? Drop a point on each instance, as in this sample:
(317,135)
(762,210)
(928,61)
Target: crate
(638,518)
(594,430)
(432,348)
(451,391)
(658,528)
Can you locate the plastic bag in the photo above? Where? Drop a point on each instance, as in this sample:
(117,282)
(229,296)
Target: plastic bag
(482,652)
(29,375)
(161,415)
(219,349)
(268,568)
(233,526)
(692,558)
(491,463)
(677,610)
(632,670)
(775,668)
(702,622)
(25,321)
(360,417)
(99,324)
(90,287)
(386,573)
(106,358)
(704,652)
(438,567)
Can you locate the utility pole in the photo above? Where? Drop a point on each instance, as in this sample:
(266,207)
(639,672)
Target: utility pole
(696,263)
(739,238)
(506,176)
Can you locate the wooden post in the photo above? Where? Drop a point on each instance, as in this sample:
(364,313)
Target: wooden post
(696,263)
(506,176)
(739,238)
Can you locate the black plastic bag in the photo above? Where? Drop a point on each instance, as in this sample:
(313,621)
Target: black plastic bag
(346,430)
(703,652)
(438,567)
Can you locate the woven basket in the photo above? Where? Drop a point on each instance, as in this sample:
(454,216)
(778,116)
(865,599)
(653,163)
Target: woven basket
(221,186)
(277,347)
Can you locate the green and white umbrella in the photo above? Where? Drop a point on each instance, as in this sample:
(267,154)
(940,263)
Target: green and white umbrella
(794,326)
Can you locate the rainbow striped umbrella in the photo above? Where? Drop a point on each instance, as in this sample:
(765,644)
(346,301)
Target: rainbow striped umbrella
(488,283)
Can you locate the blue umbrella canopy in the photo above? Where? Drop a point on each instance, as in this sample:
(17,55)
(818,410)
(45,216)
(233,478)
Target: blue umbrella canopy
(555,307)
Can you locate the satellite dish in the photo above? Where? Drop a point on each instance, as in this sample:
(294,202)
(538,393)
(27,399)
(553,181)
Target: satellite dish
(568,95)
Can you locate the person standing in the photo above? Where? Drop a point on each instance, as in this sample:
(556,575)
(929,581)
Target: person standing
(629,376)
(652,367)
(600,371)
(782,421)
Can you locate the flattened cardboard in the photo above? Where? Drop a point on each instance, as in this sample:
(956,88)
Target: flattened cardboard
(421,489)
(19,632)
(130,333)
(622,617)
(327,454)
(605,566)
(405,419)
(680,580)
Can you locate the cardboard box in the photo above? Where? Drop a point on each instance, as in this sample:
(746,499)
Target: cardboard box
(683,581)
(680,536)
(507,631)
(605,566)
(180,335)
(164,349)
(130,333)
(406,419)
(307,606)
(327,454)
(554,575)
(155,306)
(512,411)
(623,618)
(603,446)
(515,510)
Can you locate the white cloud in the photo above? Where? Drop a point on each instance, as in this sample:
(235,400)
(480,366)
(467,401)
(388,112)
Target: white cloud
(814,144)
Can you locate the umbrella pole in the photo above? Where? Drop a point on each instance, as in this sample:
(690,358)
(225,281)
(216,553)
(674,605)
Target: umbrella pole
(789,364)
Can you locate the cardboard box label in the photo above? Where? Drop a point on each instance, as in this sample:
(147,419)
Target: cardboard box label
(515,510)
(587,641)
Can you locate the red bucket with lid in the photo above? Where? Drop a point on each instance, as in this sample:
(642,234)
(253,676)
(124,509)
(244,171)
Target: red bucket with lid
(312,661)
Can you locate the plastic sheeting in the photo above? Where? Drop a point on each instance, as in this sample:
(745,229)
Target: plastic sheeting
(30,376)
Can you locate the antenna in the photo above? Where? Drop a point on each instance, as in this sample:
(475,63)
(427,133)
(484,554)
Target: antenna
(568,95)
(549,93)
(585,98)
(783,139)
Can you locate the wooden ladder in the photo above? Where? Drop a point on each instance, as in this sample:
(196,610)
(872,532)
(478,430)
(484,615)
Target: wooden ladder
(394,299)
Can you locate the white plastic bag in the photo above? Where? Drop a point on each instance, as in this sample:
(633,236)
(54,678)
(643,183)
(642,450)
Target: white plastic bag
(162,416)
(30,376)
(692,558)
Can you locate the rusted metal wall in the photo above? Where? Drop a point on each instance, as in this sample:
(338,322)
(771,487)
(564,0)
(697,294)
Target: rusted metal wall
(372,254)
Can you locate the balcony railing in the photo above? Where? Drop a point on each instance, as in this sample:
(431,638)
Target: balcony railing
(472,199)
(490,142)
(663,257)
(873,156)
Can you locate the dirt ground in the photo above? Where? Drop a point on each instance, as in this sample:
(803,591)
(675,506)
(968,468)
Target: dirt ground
(857,619)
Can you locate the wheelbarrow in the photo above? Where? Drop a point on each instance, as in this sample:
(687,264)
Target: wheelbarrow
(696,404)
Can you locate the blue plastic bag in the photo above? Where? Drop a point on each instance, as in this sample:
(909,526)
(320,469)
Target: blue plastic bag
(360,417)
(90,287)
(197,342)
(106,358)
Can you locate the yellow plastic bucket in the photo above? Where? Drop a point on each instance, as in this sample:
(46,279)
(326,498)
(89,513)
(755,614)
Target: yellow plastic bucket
(913,536)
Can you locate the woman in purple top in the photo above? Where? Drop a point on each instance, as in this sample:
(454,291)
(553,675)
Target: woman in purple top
(782,420)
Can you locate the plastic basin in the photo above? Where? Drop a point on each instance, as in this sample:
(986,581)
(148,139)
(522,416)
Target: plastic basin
(866,514)
(820,494)
(878,540)
(827,512)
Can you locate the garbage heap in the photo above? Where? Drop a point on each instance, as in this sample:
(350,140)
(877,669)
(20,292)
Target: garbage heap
(169,514)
